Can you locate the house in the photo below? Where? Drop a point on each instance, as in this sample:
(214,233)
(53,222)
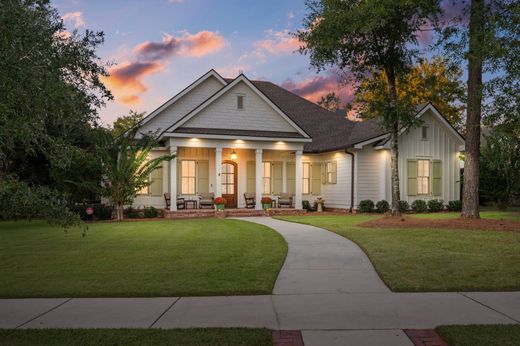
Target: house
(236,136)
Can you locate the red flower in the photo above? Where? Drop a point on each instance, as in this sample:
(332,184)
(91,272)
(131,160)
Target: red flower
(266,200)
(220,200)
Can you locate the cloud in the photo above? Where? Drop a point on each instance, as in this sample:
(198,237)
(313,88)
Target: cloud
(74,18)
(278,42)
(314,88)
(199,44)
(125,80)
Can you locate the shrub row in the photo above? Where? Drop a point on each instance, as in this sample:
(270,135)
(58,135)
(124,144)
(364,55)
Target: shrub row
(418,206)
(148,212)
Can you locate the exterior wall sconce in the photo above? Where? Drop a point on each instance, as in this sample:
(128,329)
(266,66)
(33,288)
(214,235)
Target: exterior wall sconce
(233,155)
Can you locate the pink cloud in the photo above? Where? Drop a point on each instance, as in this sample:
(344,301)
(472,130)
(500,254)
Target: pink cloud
(199,44)
(315,87)
(278,42)
(75,18)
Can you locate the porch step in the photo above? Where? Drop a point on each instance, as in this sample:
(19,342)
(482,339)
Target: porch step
(199,213)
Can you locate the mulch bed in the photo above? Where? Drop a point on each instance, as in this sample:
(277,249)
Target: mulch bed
(460,223)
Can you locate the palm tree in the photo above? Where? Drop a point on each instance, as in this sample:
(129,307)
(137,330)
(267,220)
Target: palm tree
(127,168)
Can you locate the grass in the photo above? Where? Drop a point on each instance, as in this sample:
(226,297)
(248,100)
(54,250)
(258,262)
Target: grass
(142,337)
(481,335)
(423,260)
(138,259)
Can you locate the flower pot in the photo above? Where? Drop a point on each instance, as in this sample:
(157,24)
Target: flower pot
(220,207)
(266,205)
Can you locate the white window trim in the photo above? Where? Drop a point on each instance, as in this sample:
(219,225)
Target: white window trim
(327,180)
(243,96)
(309,179)
(419,178)
(270,177)
(195,176)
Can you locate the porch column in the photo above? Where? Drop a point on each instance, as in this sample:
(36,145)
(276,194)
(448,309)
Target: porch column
(258,182)
(173,180)
(218,171)
(298,190)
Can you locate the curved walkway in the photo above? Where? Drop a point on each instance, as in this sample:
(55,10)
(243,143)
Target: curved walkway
(319,261)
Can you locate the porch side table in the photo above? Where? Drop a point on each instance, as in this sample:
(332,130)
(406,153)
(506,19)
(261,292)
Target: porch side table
(190,204)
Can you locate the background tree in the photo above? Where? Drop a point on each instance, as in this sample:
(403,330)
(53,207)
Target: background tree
(126,122)
(127,168)
(369,37)
(330,102)
(432,81)
(490,43)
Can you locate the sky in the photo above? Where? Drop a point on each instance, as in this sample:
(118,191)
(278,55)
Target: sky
(156,48)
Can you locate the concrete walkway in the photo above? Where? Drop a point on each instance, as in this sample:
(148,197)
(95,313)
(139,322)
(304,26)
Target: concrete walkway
(327,288)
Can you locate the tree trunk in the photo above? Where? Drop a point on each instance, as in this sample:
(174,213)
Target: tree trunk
(470,194)
(394,146)
(119,212)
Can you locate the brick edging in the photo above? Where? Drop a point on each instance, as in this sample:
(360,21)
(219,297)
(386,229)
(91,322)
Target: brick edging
(287,338)
(425,337)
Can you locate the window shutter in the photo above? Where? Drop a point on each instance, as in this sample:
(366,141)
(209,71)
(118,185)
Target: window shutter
(334,178)
(156,187)
(203,176)
(324,173)
(291,178)
(277,177)
(179,179)
(316,177)
(437,177)
(411,173)
(251,177)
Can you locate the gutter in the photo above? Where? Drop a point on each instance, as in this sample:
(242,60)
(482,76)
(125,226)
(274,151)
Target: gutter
(351,180)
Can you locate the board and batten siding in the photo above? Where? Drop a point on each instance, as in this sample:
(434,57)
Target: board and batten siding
(183,105)
(440,145)
(256,114)
(370,180)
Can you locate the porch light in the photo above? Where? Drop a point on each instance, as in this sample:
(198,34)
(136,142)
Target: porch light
(233,155)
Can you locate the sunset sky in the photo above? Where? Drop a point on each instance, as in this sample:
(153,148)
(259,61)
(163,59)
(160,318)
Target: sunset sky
(158,47)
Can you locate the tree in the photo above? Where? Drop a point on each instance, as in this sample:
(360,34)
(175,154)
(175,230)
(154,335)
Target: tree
(489,42)
(126,122)
(127,168)
(369,37)
(330,102)
(427,81)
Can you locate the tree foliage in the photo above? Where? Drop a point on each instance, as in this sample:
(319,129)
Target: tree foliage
(330,102)
(432,81)
(366,38)
(126,122)
(127,167)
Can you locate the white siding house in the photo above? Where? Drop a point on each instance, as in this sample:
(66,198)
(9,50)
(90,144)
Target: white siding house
(236,136)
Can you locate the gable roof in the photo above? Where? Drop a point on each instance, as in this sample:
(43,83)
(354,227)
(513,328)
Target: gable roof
(254,88)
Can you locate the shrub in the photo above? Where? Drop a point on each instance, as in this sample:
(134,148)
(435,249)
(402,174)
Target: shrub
(220,200)
(103,212)
(454,205)
(382,206)
(403,206)
(132,213)
(307,205)
(366,206)
(150,212)
(419,206)
(435,205)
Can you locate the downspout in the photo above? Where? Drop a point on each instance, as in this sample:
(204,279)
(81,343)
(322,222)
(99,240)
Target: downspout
(351,180)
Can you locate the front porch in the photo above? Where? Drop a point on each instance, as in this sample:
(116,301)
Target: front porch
(235,212)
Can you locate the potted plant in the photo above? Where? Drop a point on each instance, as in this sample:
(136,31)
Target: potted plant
(319,203)
(220,203)
(266,202)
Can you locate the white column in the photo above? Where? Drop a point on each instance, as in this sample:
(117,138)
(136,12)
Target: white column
(218,171)
(173,179)
(258,182)
(298,194)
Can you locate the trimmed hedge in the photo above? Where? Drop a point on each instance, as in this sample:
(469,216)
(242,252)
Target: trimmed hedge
(403,206)
(366,206)
(132,213)
(150,212)
(419,206)
(435,205)
(454,205)
(382,206)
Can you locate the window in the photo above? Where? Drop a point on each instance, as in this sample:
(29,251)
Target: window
(266,178)
(155,187)
(188,177)
(424,132)
(330,172)
(306,178)
(423,177)
(240,101)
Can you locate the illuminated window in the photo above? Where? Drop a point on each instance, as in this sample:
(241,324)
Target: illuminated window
(423,177)
(266,178)
(306,178)
(331,172)
(188,177)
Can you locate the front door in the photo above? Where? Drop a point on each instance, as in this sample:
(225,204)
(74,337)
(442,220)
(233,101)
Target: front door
(229,183)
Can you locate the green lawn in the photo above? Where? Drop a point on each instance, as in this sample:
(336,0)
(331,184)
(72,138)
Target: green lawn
(154,258)
(142,337)
(410,260)
(491,214)
(481,335)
